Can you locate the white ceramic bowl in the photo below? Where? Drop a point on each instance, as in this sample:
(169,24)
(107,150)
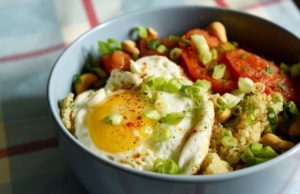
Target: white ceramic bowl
(102,176)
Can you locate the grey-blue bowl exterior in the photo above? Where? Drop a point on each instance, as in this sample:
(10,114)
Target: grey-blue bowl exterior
(102,176)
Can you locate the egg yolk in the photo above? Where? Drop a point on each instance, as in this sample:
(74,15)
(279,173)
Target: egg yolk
(130,132)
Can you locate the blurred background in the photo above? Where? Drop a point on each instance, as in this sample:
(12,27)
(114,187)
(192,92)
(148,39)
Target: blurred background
(32,35)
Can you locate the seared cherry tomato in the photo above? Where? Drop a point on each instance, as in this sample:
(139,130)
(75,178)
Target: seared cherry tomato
(116,60)
(246,64)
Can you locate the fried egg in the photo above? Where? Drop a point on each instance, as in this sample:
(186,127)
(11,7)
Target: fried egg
(131,142)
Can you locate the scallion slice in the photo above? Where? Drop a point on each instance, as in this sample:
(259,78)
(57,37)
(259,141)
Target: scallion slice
(161,48)
(165,166)
(142,32)
(113,119)
(204,84)
(245,85)
(272,118)
(219,71)
(258,88)
(256,148)
(153,44)
(161,133)
(228,141)
(152,114)
(174,38)
(175,53)
(173,118)
(172,86)
(205,55)
(267,152)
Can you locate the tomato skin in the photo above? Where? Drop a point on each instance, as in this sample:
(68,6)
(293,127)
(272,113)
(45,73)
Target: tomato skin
(251,66)
(255,68)
(116,60)
(199,71)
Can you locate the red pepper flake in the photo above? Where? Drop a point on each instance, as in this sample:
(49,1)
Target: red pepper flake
(136,155)
(130,124)
(139,118)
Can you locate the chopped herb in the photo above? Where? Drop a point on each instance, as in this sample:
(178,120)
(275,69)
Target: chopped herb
(187,41)
(282,87)
(244,56)
(153,44)
(272,118)
(174,38)
(244,69)
(269,70)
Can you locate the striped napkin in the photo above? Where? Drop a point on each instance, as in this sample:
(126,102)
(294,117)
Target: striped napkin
(32,35)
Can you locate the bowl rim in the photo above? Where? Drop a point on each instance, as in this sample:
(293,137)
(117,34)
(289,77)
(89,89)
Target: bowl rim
(152,175)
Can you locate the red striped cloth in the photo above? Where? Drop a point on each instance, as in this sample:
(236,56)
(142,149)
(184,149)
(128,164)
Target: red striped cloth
(27,54)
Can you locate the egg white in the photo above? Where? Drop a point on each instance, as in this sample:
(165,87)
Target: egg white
(189,141)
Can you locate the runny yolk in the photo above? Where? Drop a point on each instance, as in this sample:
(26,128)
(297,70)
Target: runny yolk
(130,132)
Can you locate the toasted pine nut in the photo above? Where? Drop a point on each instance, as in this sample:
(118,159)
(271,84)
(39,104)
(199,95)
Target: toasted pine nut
(294,129)
(130,47)
(218,29)
(276,142)
(152,34)
(223,115)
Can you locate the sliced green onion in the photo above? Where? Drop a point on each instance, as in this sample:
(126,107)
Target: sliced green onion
(282,87)
(104,48)
(227,133)
(172,86)
(244,56)
(146,93)
(231,100)
(113,44)
(267,152)
(152,114)
(158,83)
(205,55)
(153,44)
(295,70)
(204,84)
(256,148)
(173,118)
(174,38)
(228,141)
(165,166)
(219,71)
(169,167)
(245,85)
(277,97)
(290,110)
(175,53)
(193,92)
(258,88)
(214,54)
(113,119)
(272,118)
(248,157)
(284,67)
(161,133)
(186,41)
(108,47)
(142,32)
(269,70)
(161,48)
(157,165)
